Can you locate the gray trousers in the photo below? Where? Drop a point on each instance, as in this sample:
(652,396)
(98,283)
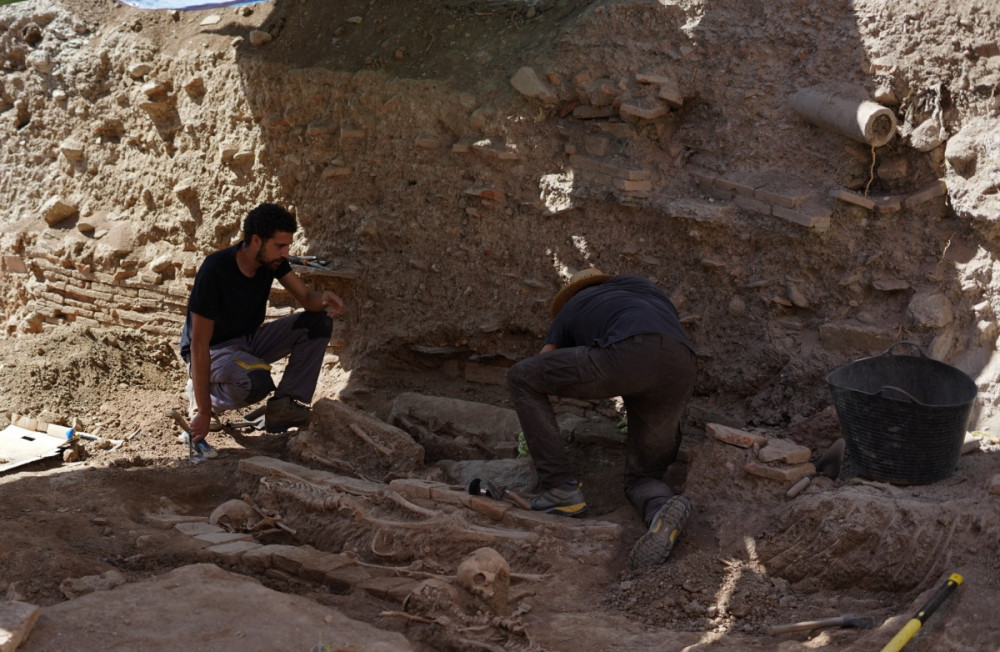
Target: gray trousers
(241,367)
(654,374)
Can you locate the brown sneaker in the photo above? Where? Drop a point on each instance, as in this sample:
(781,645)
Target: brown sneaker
(284,413)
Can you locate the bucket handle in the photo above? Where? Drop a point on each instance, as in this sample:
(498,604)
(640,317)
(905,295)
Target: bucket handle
(887,391)
(890,350)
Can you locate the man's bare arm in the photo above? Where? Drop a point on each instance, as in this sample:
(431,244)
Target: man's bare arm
(312,300)
(201,363)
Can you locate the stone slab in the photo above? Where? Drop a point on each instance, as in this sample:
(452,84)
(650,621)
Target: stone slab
(16,621)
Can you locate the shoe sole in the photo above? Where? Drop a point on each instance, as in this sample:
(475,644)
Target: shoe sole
(654,547)
(578,509)
(572,511)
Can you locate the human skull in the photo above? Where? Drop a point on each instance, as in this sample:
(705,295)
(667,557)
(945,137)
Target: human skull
(234,515)
(486,574)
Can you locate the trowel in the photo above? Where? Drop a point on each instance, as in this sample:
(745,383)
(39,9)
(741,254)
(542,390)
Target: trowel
(828,464)
(489,488)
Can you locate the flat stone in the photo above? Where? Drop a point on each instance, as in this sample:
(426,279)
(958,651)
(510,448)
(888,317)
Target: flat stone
(263,557)
(846,196)
(194,529)
(343,578)
(925,194)
(782,450)
(216,538)
(812,215)
(781,474)
(644,109)
(733,436)
(16,621)
(233,551)
(206,608)
(292,559)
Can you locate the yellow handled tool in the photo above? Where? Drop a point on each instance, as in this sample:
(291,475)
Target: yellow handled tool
(910,628)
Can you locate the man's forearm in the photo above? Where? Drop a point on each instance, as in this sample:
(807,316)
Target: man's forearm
(201,374)
(313,301)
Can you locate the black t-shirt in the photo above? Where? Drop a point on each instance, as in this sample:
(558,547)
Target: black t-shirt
(614,310)
(237,304)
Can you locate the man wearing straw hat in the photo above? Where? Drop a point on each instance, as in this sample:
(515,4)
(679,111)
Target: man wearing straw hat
(611,336)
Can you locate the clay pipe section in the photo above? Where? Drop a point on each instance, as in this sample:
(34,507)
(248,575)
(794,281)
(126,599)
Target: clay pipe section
(845,112)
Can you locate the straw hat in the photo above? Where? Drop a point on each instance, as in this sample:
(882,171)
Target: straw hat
(582,279)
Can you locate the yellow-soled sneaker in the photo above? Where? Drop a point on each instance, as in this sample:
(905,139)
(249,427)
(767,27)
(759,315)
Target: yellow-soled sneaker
(566,500)
(653,547)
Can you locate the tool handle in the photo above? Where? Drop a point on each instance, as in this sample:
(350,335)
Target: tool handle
(799,486)
(805,625)
(939,597)
(180,421)
(913,625)
(518,500)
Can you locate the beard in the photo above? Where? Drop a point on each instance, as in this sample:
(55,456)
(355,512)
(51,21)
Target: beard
(271,264)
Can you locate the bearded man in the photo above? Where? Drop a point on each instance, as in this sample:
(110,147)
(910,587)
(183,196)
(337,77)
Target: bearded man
(226,344)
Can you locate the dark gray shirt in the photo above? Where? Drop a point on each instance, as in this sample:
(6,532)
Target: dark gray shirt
(615,310)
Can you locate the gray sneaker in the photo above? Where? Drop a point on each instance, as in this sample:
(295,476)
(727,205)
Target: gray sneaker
(653,547)
(284,413)
(566,500)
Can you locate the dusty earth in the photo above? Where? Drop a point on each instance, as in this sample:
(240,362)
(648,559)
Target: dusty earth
(446,287)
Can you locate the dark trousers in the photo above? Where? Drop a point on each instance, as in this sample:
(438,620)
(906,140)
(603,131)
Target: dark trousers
(241,367)
(654,374)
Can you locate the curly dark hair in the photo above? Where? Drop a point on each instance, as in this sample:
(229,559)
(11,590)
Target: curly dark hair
(266,220)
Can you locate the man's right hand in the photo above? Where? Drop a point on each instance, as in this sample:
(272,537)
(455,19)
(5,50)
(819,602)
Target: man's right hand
(199,426)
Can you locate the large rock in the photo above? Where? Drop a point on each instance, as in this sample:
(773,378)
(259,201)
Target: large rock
(192,608)
(348,440)
(494,427)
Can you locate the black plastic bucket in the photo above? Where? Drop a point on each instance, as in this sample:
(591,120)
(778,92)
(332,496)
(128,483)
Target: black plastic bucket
(903,417)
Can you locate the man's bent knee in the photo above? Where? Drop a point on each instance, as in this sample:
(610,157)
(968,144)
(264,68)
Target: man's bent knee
(317,324)
(518,374)
(261,384)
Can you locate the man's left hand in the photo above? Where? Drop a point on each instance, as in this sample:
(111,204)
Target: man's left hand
(332,303)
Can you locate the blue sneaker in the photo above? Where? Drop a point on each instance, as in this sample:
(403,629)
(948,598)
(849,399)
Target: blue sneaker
(203,447)
(206,449)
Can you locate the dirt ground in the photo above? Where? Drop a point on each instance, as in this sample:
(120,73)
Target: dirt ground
(452,287)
